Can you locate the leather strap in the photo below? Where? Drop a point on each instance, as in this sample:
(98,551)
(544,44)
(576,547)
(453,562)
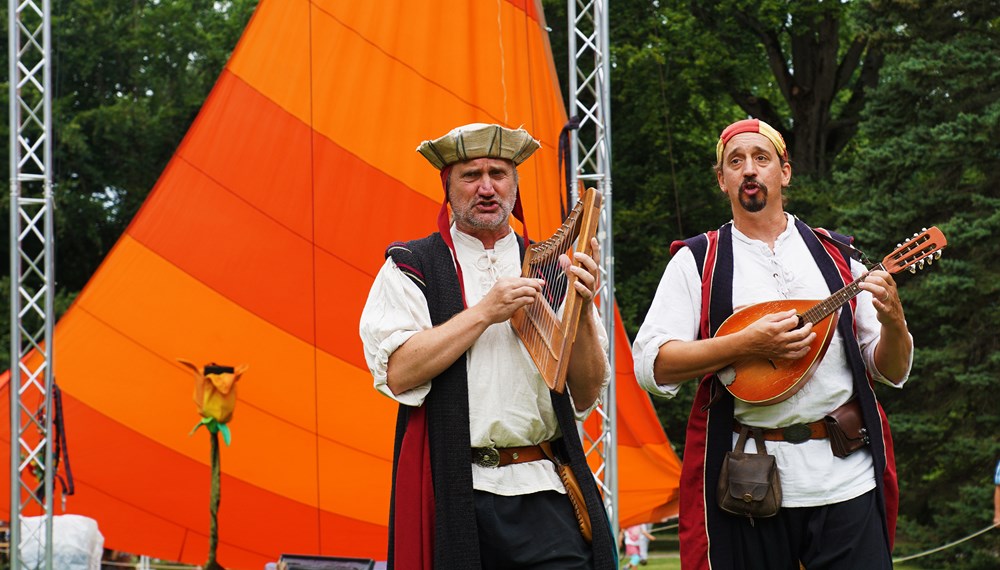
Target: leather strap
(845,248)
(500,456)
(795,433)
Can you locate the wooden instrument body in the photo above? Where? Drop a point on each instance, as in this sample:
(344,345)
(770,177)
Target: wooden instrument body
(761,381)
(549,338)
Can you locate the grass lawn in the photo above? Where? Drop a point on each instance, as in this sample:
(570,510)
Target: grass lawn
(663,553)
(670,561)
(659,561)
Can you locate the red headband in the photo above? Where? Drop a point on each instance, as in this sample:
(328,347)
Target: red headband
(751,126)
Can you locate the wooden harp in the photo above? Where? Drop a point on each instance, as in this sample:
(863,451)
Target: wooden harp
(548,326)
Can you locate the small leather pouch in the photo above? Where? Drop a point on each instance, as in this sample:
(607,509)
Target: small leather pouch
(749,483)
(846,429)
(573,492)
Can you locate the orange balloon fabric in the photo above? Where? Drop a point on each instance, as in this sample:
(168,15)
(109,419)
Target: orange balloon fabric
(258,245)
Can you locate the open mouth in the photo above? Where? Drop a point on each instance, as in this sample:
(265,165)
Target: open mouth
(750,187)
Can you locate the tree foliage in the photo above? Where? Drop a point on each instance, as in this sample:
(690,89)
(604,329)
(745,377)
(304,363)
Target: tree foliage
(128,79)
(820,61)
(890,110)
(926,153)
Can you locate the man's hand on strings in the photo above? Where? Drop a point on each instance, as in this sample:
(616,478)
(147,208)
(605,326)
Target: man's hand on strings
(885,298)
(430,352)
(895,347)
(777,336)
(588,363)
(507,295)
(585,269)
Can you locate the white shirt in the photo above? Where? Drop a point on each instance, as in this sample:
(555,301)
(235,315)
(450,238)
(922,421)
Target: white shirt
(509,403)
(810,474)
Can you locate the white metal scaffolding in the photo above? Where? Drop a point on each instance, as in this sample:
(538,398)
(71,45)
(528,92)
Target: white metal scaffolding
(32,279)
(590,163)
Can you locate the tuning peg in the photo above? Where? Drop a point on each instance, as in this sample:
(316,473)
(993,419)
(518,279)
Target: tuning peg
(916,234)
(930,260)
(913,269)
(937,254)
(924,230)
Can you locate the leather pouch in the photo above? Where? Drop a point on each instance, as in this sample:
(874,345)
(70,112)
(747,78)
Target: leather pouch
(577,500)
(574,493)
(845,427)
(749,483)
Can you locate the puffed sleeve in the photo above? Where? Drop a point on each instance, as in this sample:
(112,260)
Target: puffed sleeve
(869,330)
(396,309)
(674,314)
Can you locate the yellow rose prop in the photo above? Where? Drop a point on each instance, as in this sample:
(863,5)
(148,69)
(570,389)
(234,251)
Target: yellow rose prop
(215,395)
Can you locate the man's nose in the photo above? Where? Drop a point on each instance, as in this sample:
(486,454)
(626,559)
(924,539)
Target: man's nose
(749,167)
(486,184)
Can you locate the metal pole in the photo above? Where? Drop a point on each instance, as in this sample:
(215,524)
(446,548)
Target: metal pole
(607,261)
(32,276)
(590,163)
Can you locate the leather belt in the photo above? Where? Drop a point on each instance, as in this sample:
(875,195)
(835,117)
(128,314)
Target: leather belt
(795,433)
(500,456)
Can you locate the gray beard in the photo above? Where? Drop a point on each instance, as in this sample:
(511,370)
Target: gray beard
(481,224)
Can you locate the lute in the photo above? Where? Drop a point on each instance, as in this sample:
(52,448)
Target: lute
(762,381)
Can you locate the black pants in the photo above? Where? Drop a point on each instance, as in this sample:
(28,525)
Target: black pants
(537,531)
(841,536)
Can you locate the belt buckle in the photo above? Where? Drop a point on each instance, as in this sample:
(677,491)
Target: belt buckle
(486,456)
(796,433)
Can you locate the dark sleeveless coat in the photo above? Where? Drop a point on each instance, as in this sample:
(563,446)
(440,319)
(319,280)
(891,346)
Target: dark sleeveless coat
(442,426)
(705,530)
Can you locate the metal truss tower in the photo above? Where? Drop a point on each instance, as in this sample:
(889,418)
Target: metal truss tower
(32,280)
(590,163)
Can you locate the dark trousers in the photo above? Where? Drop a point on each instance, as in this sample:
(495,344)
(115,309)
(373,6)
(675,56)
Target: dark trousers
(841,536)
(537,531)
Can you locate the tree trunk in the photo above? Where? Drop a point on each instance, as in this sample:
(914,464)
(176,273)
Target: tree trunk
(811,78)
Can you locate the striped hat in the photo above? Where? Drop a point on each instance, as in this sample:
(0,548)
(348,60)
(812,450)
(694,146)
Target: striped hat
(751,126)
(479,140)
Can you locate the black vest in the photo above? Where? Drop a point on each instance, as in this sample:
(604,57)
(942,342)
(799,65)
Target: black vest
(718,420)
(428,262)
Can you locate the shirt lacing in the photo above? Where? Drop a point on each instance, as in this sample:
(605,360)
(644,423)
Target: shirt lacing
(490,270)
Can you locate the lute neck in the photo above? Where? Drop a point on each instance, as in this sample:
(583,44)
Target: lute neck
(833,302)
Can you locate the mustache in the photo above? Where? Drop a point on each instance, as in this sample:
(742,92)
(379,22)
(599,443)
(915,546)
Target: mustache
(751,180)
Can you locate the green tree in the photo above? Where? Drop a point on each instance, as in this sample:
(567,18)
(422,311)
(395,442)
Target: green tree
(926,155)
(821,62)
(128,79)
(898,101)
(684,70)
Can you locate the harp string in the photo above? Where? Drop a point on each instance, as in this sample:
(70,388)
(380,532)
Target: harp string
(546,265)
(548,327)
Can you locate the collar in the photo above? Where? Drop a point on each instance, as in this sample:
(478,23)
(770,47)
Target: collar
(789,228)
(467,241)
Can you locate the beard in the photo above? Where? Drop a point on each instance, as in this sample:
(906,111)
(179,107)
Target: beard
(466,215)
(757,201)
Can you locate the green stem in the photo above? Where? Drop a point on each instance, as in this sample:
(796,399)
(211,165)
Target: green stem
(213,529)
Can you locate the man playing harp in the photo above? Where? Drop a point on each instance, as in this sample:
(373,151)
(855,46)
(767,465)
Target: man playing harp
(473,484)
